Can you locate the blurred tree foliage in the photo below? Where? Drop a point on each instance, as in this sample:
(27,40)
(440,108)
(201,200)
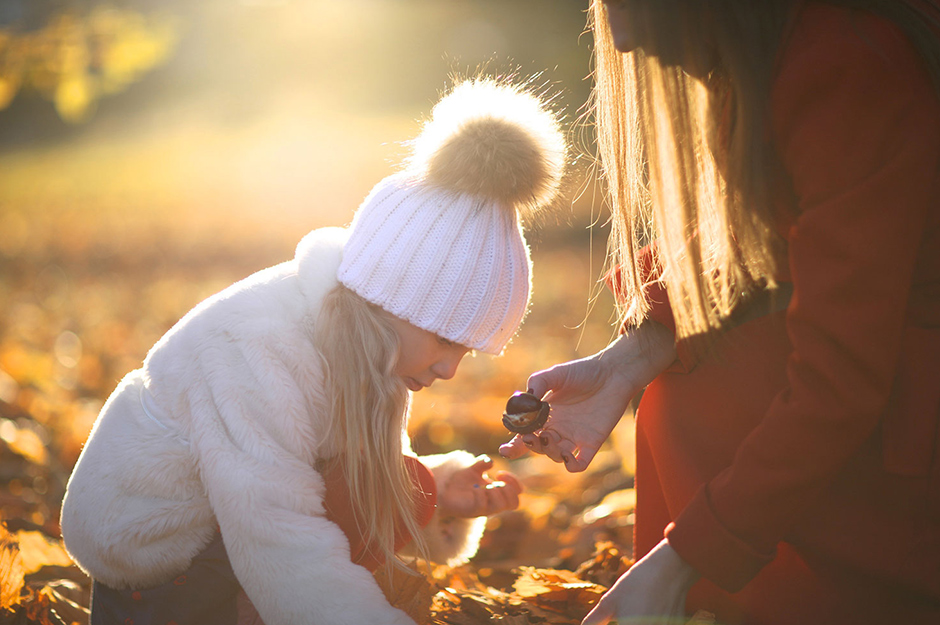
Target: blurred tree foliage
(74,54)
(362,55)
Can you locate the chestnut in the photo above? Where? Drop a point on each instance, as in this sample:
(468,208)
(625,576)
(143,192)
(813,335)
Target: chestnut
(525,413)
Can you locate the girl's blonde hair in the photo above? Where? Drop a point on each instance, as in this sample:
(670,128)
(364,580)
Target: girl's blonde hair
(659,131)
(369,408)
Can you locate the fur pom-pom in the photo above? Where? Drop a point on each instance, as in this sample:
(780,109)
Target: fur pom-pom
(494,140)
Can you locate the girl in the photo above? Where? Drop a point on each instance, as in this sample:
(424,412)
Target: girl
(787,446)
(263,441)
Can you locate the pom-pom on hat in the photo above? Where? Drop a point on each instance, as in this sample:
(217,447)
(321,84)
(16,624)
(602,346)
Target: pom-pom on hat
(440,244)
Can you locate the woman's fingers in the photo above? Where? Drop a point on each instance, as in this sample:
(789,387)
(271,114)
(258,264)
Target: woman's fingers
(565,451)
(569,455)
(519,445)
(550,441)
(531,441)
(515,448)
(551,444)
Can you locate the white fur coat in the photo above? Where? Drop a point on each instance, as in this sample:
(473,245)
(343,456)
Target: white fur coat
(223,424)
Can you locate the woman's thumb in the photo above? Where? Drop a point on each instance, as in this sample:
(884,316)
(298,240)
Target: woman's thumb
(541,382)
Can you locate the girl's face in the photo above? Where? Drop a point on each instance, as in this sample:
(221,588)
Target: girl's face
(424,356)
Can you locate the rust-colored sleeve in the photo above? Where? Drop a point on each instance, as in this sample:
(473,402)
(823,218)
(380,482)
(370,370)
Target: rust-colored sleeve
(660,309)
(339,509)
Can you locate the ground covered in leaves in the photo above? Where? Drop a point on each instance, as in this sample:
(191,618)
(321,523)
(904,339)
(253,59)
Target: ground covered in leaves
(547,562)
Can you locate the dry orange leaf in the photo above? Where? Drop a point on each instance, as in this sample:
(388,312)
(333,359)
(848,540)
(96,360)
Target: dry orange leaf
(23,442)
(606,565)
(38,551)
(556,586)
(11,571)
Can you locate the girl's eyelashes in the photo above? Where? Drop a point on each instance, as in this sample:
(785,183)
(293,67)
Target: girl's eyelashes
(445,342)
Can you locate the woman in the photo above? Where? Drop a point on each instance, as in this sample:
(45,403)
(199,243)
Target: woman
(782,159)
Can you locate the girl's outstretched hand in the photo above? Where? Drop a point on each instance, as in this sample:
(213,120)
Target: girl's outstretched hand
(470,492)
(589,396)
(652,592)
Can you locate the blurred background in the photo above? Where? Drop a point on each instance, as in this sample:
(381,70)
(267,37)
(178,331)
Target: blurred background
(153,152)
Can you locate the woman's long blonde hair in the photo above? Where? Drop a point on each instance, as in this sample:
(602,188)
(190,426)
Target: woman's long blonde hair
(656,138)
(659,131)
(369,408)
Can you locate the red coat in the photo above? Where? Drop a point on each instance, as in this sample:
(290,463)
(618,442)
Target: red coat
(798,468)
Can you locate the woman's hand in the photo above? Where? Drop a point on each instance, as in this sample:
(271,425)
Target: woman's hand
(589,396)
(470,492)
(652,592)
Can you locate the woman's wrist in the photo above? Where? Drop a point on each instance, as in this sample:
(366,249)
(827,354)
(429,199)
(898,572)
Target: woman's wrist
(641,354)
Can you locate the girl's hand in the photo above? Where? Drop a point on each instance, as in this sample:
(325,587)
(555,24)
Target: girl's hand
(652,592)
(589,396)
(470,492)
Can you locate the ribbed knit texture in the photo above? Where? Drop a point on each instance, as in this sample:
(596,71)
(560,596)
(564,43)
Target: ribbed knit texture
(450,263)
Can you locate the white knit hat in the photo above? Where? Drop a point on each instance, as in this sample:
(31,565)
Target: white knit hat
(440,244)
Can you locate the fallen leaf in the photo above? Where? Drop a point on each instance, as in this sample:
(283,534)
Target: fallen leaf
(24,442)
(11,571)
(558,586)
(38,551)
(620,501)
(606,565)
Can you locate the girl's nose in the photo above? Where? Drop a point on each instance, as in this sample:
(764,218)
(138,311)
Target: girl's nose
(446,367)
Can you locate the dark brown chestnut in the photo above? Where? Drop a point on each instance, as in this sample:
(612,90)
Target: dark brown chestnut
(525,413)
